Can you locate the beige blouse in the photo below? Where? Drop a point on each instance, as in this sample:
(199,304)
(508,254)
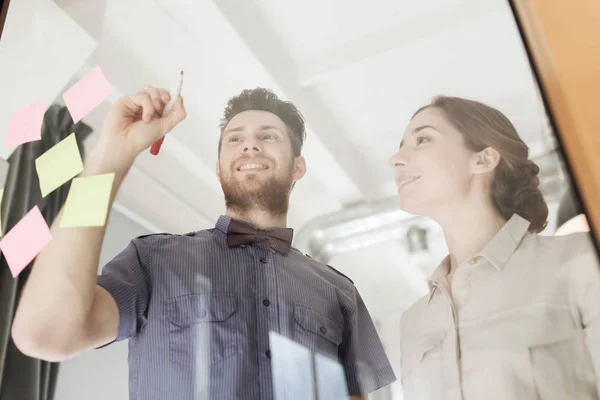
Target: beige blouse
(523,322)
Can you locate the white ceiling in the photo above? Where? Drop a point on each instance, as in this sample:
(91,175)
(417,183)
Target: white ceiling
(356,70)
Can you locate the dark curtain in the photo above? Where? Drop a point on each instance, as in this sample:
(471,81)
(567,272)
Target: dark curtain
(22,377)
(3,11)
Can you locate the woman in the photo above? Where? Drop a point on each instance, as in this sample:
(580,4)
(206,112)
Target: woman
(510,314)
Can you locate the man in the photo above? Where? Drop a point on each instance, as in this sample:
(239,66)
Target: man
(197,308)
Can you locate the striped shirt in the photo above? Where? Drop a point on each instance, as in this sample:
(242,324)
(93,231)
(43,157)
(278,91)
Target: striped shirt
(198,313)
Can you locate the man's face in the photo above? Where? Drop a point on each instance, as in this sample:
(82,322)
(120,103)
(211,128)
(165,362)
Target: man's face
(256,166)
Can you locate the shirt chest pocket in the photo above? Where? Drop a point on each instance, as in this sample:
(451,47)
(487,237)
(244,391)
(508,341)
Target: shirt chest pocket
(561,366)
(317,332)
(203,328)
(421,362)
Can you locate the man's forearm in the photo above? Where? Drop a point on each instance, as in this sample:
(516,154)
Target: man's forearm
(60,288)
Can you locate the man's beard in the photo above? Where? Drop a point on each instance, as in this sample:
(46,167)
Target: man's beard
(270,196)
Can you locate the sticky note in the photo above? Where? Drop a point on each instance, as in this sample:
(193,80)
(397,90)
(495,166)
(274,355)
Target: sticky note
(25,124)
(59,164)
(87,202)
(87,94)
(25,241)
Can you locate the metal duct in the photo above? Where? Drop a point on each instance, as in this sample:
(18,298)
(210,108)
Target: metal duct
(368,224)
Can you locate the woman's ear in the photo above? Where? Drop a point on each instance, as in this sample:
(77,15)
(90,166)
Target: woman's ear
(486,160)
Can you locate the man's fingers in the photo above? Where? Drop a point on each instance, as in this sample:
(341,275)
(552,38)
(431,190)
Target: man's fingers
(165,95)
(176,115)
(178,112)
(143,101)
(156,96)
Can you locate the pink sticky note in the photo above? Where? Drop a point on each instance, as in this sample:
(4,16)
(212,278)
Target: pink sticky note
(25,241)
(26,124)
(86,94)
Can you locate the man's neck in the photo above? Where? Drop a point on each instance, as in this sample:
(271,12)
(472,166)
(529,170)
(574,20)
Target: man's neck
(259,218)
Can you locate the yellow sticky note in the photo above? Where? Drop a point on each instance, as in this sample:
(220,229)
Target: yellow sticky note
(87,202)
(58,165)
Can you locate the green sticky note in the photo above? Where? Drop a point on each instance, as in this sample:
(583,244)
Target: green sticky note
(87,202)
(58,165)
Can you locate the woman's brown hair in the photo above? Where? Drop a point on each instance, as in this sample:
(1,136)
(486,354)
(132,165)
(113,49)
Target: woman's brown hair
(515,187)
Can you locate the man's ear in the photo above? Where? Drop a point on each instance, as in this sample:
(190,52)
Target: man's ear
(486,160)
(299,168)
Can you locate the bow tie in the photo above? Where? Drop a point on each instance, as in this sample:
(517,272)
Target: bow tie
(239,233)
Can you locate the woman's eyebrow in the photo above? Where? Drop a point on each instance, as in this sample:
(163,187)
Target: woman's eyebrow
(419,129)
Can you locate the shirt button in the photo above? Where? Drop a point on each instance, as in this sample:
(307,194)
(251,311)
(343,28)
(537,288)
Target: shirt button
(323,330)
(268,354)
(473,261)
(263,260)
(266,302)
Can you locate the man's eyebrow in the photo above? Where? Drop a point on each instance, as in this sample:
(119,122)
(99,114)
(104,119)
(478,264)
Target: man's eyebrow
(260,128)
(268,128)
(231,130)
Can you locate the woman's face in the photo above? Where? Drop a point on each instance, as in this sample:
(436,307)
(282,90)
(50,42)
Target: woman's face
(434,169)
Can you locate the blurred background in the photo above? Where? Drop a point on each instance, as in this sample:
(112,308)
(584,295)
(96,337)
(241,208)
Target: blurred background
(357,70)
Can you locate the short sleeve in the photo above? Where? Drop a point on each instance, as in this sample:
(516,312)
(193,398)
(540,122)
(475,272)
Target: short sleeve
(362,354)
(127,279)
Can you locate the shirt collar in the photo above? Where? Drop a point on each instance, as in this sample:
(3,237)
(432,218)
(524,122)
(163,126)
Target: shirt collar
(223,223)
(440,273)
(504,244)
(497,251)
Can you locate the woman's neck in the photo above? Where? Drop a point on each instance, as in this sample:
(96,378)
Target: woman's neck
(467,230)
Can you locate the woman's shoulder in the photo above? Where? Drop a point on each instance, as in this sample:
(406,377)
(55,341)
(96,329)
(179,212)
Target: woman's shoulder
(572,253)
(414,313)
(567,245)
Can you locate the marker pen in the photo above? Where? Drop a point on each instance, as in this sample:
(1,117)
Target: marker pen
(167,110)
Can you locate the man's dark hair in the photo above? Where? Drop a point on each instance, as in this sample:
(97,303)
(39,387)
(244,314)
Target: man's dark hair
(265,100)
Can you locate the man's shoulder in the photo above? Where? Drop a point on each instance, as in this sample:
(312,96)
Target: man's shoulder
(168,235)
(154,235)
(321,265)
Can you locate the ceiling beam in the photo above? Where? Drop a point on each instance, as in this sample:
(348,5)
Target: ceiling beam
(322,66)
(89,14)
